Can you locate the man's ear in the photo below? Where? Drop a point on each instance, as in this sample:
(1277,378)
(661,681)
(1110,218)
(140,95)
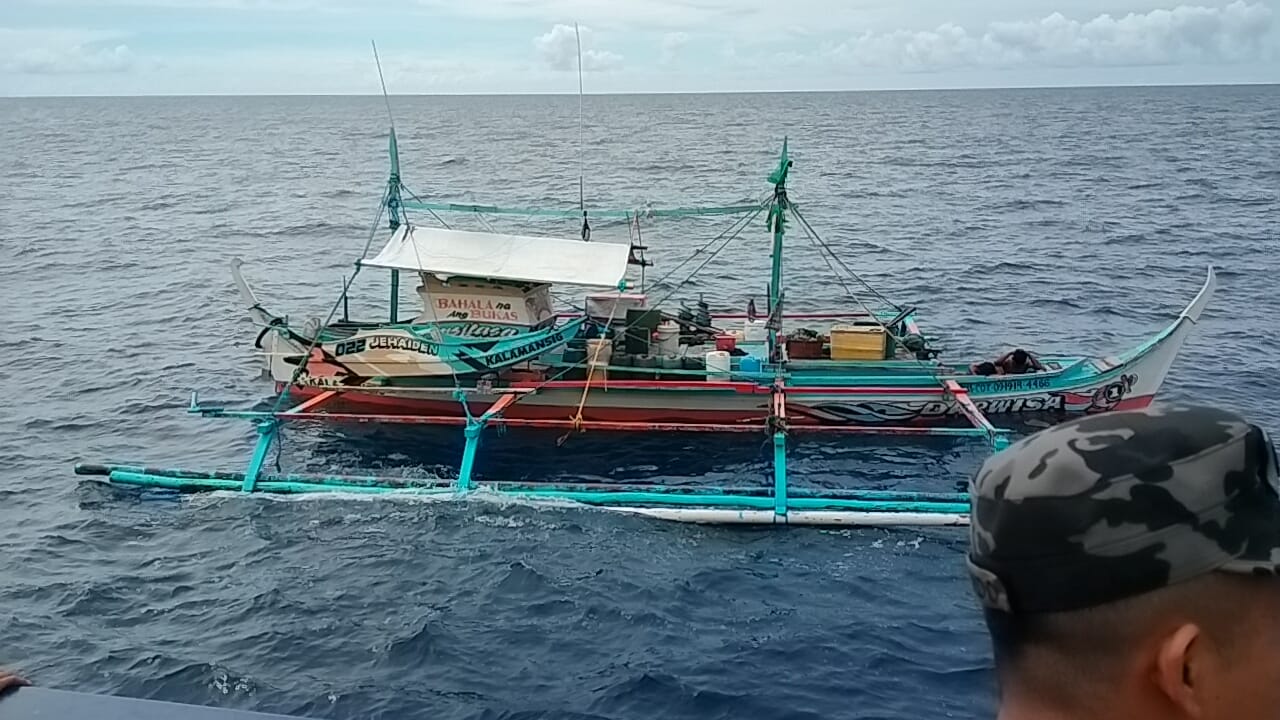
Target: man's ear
(1178,669)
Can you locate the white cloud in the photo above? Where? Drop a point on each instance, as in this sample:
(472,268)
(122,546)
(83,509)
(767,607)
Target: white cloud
(739,44)
(237,5)
(610,14)
(1184,34)
(558,48)
(63,52)
(73,60)
(671,45)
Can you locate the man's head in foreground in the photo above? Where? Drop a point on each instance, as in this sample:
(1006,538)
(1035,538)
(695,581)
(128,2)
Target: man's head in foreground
(1127,566)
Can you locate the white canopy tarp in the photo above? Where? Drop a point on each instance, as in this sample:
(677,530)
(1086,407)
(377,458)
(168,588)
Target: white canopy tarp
(460,253)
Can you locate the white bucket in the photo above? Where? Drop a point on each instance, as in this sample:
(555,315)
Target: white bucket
(667,339)
(599,353)
(718,365)
(755,331)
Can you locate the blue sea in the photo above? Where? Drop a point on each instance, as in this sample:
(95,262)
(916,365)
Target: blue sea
(1062,220)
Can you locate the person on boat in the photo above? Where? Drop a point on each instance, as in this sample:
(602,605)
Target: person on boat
(986,367)
(1126,564)
(1018,362)
(10,680)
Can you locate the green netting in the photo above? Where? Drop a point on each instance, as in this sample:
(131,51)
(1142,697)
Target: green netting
(643,212)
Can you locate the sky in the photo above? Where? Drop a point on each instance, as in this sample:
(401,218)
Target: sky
(178,47)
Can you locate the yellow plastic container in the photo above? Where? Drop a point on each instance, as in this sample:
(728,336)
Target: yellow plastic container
(858,342)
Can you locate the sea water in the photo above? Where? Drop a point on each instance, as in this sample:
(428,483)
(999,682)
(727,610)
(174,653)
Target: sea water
(1067,220)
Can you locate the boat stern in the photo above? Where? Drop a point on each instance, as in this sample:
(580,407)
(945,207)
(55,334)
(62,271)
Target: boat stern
(271,337)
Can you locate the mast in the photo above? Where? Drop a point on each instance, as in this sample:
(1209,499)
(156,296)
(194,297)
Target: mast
(394,211)
(582,141)
(394,207)
(777,223)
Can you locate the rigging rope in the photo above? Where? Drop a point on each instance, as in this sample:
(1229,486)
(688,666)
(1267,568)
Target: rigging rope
(576,418)
(804,223)
(813,236)
(414,195)
(346,286)
(435,324)
(736,228)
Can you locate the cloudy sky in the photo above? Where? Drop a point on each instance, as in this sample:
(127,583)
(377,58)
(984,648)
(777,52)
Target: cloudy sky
(114,47)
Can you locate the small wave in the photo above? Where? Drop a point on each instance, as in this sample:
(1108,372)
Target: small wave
(1005,266)
(159,676)
(308,229)
(1127,239)
(428,640)
(522,580)
(1030,204)
(148,166)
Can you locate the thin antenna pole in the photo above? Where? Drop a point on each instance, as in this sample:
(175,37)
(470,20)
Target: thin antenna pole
(582,205)
(383,81)
(395,212)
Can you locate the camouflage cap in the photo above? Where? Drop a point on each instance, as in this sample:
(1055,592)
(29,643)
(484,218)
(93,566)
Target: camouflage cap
(1122,503)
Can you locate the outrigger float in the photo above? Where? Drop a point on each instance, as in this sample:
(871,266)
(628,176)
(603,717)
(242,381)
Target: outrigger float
(489,348)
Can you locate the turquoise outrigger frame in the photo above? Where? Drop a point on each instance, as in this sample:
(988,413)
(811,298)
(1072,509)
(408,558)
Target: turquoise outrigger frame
(778,504)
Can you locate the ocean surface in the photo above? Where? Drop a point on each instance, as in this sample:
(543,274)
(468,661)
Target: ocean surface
(1063,220)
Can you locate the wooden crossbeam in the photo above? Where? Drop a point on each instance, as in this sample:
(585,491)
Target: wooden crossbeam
(312,403)
(969,408)
(496,409)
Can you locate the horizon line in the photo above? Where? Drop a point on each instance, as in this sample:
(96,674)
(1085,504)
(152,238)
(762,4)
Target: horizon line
(965,88)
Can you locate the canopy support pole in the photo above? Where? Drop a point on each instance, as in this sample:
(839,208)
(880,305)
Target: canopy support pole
(395,297)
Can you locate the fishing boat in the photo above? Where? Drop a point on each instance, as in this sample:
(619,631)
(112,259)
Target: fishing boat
(487,327)
(492,344)
(488,347)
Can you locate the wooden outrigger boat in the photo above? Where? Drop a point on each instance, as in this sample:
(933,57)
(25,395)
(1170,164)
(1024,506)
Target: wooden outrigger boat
(488,347)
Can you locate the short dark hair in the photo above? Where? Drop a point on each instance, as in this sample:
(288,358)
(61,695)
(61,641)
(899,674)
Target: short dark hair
(1020,355)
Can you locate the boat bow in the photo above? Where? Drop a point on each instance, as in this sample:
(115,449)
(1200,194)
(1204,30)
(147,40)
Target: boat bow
(1176,333)
(1138,374)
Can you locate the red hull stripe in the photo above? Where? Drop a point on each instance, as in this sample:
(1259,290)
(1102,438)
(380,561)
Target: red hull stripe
(747,388)
(739,387)
(448,411)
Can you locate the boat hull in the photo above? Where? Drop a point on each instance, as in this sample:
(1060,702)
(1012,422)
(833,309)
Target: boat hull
(817,396)
(899,395)
(743,404)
